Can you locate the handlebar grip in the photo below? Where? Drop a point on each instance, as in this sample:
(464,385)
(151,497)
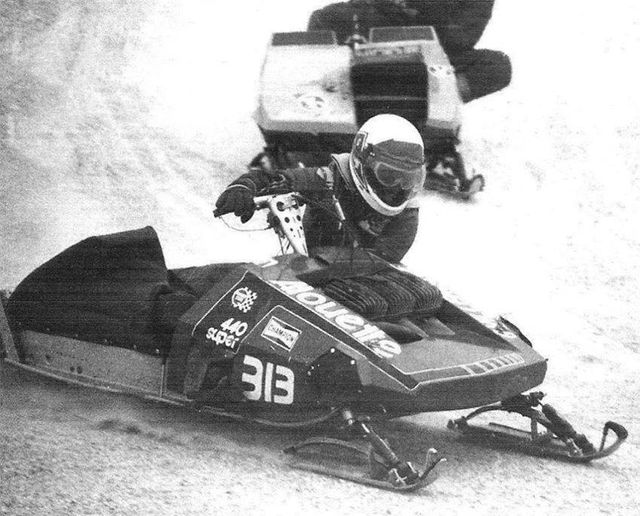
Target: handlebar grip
(260,202)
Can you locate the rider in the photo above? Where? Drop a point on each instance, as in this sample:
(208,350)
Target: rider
(374,185)
(459,25)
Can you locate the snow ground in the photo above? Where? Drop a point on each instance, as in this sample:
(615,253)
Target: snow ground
(120,114)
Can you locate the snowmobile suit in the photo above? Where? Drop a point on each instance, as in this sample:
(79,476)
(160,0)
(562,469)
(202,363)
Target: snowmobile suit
(358,16)
(458,23)
(388,237)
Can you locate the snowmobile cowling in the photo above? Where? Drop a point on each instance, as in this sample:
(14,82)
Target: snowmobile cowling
(115,291)
(315,93)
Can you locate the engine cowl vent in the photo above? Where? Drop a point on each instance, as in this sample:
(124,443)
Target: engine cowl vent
(386,294)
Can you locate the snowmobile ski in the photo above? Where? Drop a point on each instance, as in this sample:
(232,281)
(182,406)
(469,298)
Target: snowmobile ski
(559,439)
(453,187)
(385,470)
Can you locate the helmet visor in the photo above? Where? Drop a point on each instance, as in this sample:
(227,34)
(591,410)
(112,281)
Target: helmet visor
(393,185)
(398,168)
(391,175)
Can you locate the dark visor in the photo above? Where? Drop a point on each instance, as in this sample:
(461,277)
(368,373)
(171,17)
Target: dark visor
(403,168)
(391,176)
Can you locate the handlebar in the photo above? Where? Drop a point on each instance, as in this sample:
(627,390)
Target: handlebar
(285,217)
(261,202)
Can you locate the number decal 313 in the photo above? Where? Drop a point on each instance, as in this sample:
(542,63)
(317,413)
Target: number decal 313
(270,382)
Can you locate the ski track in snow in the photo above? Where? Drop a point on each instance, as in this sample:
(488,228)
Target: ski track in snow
(115,115)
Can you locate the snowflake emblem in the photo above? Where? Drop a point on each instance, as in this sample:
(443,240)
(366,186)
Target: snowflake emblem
(243,299)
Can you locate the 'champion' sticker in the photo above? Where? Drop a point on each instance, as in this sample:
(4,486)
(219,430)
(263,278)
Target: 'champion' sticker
(281,333)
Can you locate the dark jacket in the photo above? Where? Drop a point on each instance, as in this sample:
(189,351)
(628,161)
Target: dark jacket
(388,237)
(459,23)
(358,16)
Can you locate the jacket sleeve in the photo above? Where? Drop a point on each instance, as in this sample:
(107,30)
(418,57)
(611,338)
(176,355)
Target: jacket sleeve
(309,180)
(466,25)
(303,180)
(396,15)
(255,180)
(398,236)
(336,17)
(317,21)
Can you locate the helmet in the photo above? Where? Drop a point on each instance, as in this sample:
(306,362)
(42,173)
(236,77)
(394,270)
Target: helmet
(387,163)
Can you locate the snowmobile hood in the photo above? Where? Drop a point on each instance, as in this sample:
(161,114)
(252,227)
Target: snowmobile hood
(301,323)
(444,354)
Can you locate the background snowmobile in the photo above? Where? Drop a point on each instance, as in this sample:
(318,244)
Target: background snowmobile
(338,337)
(314,94)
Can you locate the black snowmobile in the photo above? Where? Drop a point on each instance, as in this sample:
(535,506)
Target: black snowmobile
(314,94)
(338,338)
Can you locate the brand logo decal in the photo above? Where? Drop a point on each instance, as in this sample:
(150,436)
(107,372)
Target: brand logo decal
(281,333)
(440,70)
(312,103)
(228,335)
(243,299)
(358,327)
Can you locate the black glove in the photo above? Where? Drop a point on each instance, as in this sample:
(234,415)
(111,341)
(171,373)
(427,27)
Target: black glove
(237,198)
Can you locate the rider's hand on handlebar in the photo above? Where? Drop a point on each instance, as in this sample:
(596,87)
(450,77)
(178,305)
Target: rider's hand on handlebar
(237,199)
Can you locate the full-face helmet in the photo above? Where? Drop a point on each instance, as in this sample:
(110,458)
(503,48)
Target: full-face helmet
(387,163)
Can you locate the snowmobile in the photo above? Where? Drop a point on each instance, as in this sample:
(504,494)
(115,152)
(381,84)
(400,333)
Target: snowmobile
(332,338)
(314,94)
